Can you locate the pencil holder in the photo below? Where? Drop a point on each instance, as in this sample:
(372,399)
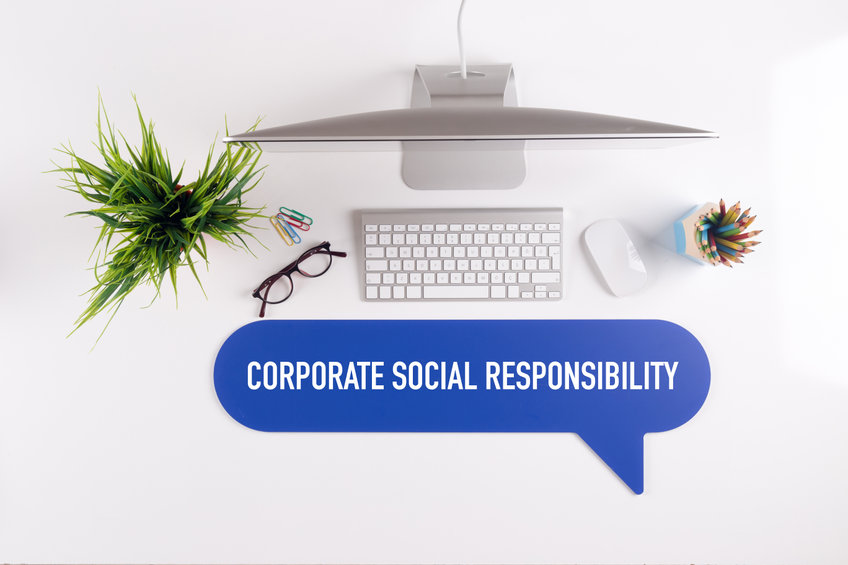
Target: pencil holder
(685,230)
(715,234)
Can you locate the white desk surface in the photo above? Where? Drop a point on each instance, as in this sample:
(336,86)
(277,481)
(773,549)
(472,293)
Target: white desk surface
(123,454)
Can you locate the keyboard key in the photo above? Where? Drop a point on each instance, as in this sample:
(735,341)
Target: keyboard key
(375,252)
(385,292)
(493,238)
(513,251)
(455,227)
(525,227)
(372,278)
(371,292)
(388,278)
(370,227)
(394,265)
(540,251)
(500,251)
(510,278)
(408,265)
(385,228)
(540,294)
(503,264)
(462,265)
(482,278)
(441,227)
(412,239)
(441,292)
(399,227)
(398,292)
(413,227)
(469,278)
(456,278)
(498,292)
(554,227)
(439,239)
(421,264)
(376,265)
(497,278)
(526,294)
(530,264)
(489,265)
(413,292)
(506,238)
(403,278)
(523,278)
(526,251)
(465,238)
(391,252)
(484,227)
(425,239)
(512,227)
(477,265)
(534,238)
(516,264)
(545,278)
(479,238)
(385,239)
(432,252)
(485,251)
(554,294)
(435,264)
(521,238)
(512,291)
(371,239)
(414,278)
(398,239)
(427,227)
(418,252)
(449,264)
(445,251)
(429,278)
(469,227)
(550,237)
(544,264)
(539,227)
(472,252)
(405,252)
(442,278)
(497,227)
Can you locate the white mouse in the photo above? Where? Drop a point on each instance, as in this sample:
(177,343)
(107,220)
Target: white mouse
(616,257)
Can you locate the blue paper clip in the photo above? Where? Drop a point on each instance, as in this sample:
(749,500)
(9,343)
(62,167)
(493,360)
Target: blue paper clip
(289,228)
(295,215)
(278,225)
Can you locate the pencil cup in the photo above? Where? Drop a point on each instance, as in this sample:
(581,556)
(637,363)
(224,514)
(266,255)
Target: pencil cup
(686,229)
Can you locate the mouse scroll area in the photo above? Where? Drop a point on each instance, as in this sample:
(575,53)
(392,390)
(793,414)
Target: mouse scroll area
(616,256)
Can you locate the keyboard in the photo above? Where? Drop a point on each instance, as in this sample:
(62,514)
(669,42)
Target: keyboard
(462,254)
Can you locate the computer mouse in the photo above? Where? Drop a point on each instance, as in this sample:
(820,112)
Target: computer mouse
(616,257)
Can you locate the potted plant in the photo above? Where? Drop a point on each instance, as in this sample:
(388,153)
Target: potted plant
(154,222)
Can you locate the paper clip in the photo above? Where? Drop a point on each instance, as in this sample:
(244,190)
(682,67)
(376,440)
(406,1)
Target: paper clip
(275,221)
(295,215)
(294,222)
(281,219)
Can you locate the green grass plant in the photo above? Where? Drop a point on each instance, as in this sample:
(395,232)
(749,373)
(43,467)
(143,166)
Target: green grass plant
(153,224)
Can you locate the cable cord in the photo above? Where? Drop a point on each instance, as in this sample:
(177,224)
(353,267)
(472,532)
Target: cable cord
(463,71)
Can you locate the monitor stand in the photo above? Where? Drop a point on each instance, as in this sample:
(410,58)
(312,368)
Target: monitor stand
(439,165)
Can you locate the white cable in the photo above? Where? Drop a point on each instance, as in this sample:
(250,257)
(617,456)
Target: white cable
(462,69)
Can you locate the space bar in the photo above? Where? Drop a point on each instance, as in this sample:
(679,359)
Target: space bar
(456,292)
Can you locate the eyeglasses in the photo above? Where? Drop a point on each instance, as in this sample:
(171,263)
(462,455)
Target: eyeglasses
(278,287)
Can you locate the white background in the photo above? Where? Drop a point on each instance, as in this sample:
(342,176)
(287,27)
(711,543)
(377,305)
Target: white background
(123,454)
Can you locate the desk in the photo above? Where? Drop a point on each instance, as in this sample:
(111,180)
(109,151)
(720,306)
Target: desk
(123,454)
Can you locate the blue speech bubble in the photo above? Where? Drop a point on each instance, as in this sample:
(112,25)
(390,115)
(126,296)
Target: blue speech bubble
(609,381)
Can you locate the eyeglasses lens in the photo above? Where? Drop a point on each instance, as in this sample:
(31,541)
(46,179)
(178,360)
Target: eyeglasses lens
(315,264)
(280,290)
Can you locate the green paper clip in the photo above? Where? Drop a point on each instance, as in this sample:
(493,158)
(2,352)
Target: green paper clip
(275,221)
(295,215)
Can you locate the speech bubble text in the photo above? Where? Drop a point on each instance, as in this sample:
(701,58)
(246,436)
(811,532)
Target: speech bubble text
(609,381)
